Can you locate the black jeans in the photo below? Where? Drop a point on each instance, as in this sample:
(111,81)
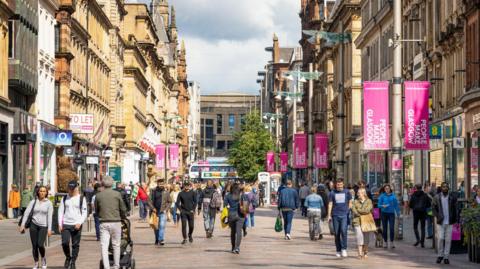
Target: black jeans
(303,208)
(236,232)
(38,234)
(422,217)
(187,217)
(69,233)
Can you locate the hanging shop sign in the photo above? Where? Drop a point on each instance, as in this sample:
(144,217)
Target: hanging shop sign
(417,135)
(160,156)
(321,151)
(376,115)
(436,131)
(283,162)
(81,123)
(91,160)
(18,139)
(149,140)
(270,163)
(458,142)
(63,138)
(300,151)
(69,151)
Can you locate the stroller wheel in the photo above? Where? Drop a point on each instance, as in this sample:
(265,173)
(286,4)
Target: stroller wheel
(101,264)
(133,264)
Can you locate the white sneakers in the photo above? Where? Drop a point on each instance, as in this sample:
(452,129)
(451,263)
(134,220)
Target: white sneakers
(35,266)
(339,255)
(288,237)
(44,263)
(344,253)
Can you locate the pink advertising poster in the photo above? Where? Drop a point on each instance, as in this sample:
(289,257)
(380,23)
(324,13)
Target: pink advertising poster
(283,162)
(160,156)
(270,161)
(417,131)
(300,151)
(376,115)
(173,154)
(321,151)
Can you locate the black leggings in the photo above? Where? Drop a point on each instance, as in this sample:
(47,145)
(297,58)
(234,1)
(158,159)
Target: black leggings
(187,217)
(38,234)
(419,216)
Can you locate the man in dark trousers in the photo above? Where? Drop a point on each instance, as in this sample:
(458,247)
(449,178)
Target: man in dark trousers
(419,204)
(187,202)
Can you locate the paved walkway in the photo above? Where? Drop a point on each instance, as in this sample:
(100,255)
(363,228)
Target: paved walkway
(262,248)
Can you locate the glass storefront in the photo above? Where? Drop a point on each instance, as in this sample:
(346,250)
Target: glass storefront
(409,169)
(373,168)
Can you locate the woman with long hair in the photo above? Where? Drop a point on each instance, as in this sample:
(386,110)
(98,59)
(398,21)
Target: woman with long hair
(40,224)
(174,195)
(235,218)
(361,206)
(388,204)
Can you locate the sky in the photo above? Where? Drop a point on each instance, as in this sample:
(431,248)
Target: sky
(226,39)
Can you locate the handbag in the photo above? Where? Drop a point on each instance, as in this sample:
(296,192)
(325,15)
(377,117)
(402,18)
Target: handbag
(367,223)
(28,222)
(376,213)
(456,232)
(278,223)
(224,217)
(153,221)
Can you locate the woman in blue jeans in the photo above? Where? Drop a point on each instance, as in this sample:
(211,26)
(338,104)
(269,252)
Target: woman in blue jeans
(388,204)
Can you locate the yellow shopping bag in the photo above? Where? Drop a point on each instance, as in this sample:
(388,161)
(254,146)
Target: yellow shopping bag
(153,221)
(224,217)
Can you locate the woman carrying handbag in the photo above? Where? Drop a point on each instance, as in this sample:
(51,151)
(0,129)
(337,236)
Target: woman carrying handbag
(39,220)
(363,222)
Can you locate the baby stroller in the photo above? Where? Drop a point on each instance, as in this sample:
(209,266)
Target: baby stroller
(126,248)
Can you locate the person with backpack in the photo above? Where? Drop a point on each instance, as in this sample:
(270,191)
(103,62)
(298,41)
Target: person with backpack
(253,199)
(419,202)
(288,202)
(314,205)
(209,201)
(235,201)
(38,218)
(72,213)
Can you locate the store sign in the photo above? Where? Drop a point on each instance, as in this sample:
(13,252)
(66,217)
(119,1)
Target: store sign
(91,160)
(69,151)
(207,175)
(283,162)
(81,123)
(458,143)
(435,131)
(376,115)
(270,161)
(63,138)
(149,140)
(18,139)
(300,151)
(416,115)
(321,151)
(116,173)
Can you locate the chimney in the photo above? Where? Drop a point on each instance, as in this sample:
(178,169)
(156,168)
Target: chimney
(276,49)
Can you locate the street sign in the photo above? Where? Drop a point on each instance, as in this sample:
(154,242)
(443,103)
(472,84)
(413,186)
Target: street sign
(458,142)
(91,160)
(19,139)
(81,123)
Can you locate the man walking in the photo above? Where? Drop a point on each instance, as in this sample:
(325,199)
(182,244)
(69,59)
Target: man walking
(445,210)
(111,210)
(159,204)
(287,204)
(419,202)
(72,213)
(340,202)
(303,193)
(211,201)
(187,202)
(125,197)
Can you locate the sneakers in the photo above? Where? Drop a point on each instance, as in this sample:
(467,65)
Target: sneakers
(236,251)
(44,263)
(339,255)
(35,266)
(385,244)
(439,259)
(392,245)
(184,241)
(190,239)
(67,262)
(288,237)
(446,261)
(162,243)
(344,253)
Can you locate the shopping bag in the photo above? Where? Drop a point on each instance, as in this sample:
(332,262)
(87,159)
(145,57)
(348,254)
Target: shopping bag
(330,227)
(153,221)
(224,217)
(456,232)
(278,224)
(376,213)
(367,223)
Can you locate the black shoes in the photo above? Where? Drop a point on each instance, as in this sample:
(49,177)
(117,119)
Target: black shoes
(72,265)
(320,237)
(184,241)
(422,245)
(416,244)
(68,260)
(156,242)
(439,259)
(161,243)
(190,239)
(446,261)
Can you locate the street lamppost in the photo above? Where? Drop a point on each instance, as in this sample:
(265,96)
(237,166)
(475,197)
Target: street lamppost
(170,119)
(271,117)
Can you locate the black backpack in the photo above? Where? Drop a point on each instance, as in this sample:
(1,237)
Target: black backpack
(81,204)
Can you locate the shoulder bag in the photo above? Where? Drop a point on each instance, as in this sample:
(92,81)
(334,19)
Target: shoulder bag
(367,223)
(28,222)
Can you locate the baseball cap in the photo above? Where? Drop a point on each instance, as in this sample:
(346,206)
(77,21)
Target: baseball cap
(72,184)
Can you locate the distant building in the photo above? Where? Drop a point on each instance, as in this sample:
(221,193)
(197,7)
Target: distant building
(221,116)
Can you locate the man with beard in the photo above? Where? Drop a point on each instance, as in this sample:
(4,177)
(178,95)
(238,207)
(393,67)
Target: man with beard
(186,202)
(159,203)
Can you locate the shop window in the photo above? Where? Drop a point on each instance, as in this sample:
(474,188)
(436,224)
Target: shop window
(219,123)
(231,121)
(221,145)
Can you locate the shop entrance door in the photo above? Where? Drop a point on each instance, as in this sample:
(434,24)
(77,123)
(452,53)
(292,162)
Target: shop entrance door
(3,167)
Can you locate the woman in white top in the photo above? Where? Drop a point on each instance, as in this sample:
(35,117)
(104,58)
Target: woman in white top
(40,224)
(173,195)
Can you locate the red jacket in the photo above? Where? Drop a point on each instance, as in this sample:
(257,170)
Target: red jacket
(142,195)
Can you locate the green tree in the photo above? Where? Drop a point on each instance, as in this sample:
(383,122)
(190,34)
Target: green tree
(250,146)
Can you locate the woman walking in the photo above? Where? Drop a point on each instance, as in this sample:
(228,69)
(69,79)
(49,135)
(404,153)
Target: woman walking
(174,195)
(235,218)
(314,205)
(142,201)
(388,204)
(40,225)
(362,206)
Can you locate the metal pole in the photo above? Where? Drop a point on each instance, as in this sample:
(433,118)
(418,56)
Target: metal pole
(294,127)
(310,126)
(396,176)
(341,114)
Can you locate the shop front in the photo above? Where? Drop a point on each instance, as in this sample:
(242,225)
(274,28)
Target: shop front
(6,162)
(24,147)
(46,155)
(472,128)
(374,168)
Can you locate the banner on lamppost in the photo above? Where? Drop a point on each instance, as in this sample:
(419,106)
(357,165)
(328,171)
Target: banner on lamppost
(300,151)
(321,151)
(173,156)
(376,115)
(270,161)
(283,162)
(417,131)
(160,156)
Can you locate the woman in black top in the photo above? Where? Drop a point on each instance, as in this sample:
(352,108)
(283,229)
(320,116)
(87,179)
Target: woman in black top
(235,218)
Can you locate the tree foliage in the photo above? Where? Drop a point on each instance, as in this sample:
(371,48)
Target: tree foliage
(250,146)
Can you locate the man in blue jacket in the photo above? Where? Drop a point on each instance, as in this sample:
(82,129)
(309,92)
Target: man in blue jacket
(287,203)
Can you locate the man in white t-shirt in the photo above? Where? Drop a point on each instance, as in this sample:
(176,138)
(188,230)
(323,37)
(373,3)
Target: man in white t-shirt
(72,213)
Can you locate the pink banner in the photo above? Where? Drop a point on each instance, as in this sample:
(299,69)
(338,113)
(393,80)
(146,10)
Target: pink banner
(173,156)
(160,156)
(417,131)
(270,161)
(376,115)
(283,162)
(321,151)
(300,151)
